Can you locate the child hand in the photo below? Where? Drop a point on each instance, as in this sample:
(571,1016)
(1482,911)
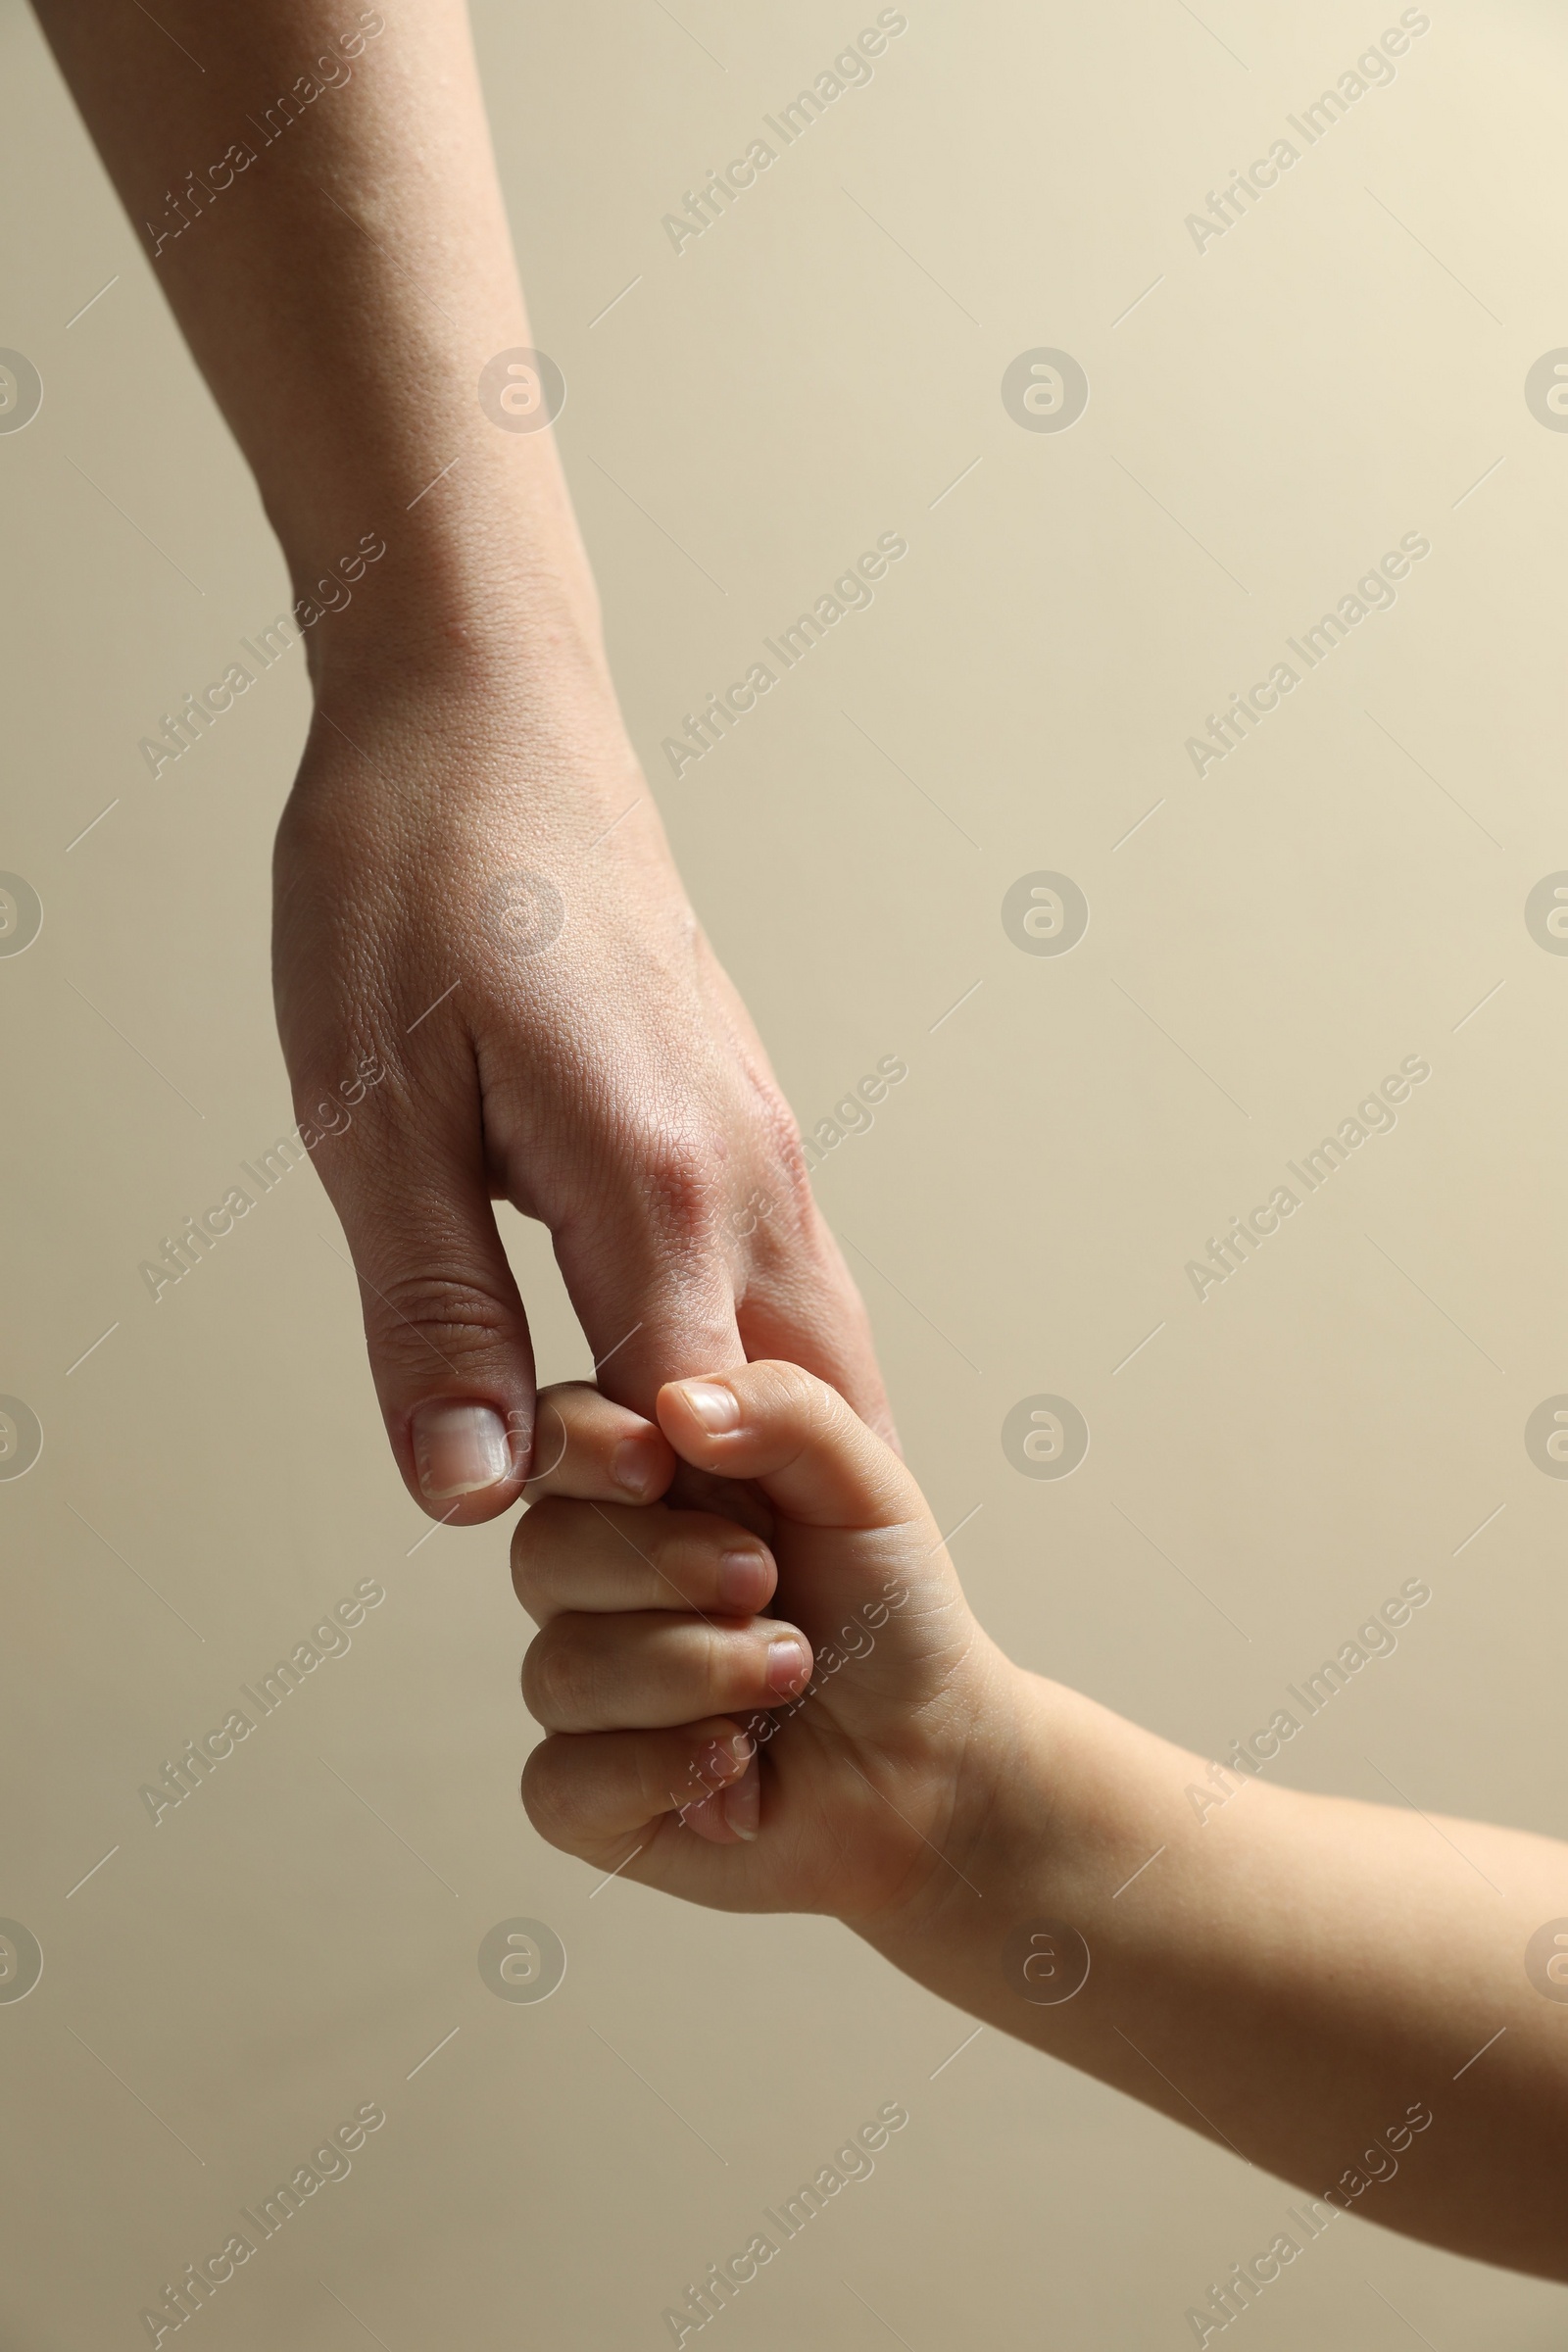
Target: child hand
(1019,1850)
(820,1758)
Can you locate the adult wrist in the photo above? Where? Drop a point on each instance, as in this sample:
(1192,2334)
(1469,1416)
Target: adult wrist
(478,569)
(511,714)
(503,646)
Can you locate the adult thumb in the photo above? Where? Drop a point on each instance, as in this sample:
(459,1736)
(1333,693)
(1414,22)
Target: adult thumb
(444,1324)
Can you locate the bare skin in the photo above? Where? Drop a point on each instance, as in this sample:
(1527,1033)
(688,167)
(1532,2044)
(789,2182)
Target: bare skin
(472,885)
(1303,1979)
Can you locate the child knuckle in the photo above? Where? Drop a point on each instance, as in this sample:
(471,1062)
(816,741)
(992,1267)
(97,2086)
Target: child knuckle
(553,1797)
(552,1677)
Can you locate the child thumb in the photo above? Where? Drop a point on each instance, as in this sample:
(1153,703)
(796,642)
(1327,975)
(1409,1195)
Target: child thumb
(813,1458)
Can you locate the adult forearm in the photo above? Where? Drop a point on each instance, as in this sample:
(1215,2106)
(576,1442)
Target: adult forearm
(470,875)
(1305,1979)
(317,199)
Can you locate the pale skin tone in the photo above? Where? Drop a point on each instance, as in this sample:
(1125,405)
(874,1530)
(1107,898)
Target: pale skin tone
(343,291)
(1295,1976)
(1304,1970)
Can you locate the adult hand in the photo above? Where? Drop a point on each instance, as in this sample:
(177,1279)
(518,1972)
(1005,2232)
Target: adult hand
(477,890)
(465,888)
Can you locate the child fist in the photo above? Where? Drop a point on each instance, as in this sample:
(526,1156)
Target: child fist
(788,1722)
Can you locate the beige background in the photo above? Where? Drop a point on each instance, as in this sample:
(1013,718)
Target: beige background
(1339,370)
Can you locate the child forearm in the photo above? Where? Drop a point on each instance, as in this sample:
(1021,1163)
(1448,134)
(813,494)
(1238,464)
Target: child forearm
(1356,1997)
(1336,1991)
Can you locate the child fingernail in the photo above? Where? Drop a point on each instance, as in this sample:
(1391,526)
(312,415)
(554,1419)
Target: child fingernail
(789,1665)
(744,1581)
(743,1805)
(458,1449)
(716,1408)
(632,1464)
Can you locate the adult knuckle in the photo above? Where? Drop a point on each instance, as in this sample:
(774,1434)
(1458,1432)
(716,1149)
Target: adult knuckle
(677,1181)
(781,1138)
(451,1313)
